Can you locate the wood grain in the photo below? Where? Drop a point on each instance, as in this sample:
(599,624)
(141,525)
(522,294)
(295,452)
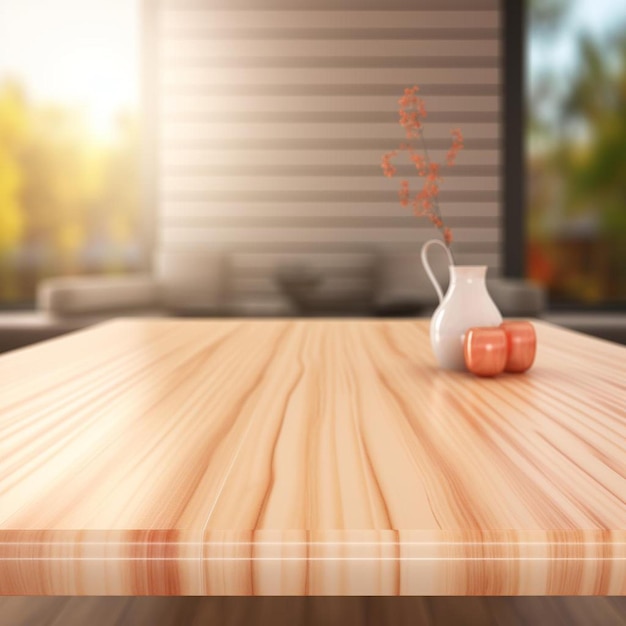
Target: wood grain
(323,457)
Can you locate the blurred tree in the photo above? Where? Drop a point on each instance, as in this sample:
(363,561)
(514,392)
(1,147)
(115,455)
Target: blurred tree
(546,15)
(68,204)
(63,179)
(596,169)
(13,128)
(120,199)
(577,164)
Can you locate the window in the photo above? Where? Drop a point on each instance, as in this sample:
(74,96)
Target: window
(576,151)
(69,159)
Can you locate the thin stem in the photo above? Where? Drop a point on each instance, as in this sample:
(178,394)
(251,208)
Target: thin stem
(436,199)
(428,161)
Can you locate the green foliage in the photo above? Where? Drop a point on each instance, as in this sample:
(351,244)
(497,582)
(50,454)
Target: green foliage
(62,194)
(599,98)
(12,133)
(581,175)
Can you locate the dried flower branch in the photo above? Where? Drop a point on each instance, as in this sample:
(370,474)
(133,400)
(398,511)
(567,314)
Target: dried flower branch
(425,203)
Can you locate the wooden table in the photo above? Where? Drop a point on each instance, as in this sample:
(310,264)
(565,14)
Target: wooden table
(308,457)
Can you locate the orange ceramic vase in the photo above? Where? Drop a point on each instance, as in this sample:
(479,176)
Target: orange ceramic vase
(485,350)
(521,345)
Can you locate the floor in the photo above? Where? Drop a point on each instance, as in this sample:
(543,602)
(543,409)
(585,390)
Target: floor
(192,611)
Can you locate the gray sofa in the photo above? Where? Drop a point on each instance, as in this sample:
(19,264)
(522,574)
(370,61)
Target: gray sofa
(205,284)
(202,285)
(390,285)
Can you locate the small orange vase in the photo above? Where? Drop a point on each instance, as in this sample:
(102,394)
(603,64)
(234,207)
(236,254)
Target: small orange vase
(521,345)
(485,350)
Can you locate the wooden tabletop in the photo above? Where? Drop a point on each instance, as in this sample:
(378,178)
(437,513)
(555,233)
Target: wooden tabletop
(308,457)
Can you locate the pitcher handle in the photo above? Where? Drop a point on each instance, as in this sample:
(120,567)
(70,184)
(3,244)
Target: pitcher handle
(426,265)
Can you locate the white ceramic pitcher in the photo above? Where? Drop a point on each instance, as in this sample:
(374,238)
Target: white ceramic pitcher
(466,304)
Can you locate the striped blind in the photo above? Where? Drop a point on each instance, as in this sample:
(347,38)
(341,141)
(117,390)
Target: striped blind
(273,116)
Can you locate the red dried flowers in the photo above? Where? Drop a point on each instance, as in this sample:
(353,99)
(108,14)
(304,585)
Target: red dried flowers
(457,146)
(425,203)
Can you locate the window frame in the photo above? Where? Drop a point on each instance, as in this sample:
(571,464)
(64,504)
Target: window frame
(513,34)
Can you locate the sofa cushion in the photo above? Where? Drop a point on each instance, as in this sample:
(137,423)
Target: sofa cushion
(402,283)
(516,297)
(96,294)
(191,282)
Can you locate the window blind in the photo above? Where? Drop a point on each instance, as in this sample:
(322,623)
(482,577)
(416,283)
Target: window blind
(273,115)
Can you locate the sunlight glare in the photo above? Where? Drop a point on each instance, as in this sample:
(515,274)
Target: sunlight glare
(78,53)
